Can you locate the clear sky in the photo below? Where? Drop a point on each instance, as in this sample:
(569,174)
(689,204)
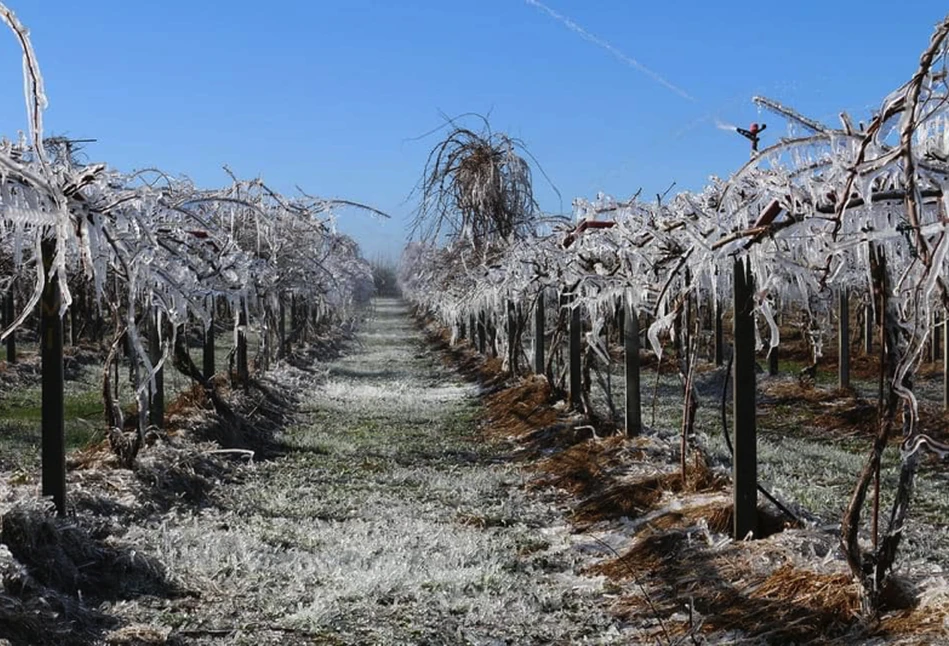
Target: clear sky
(332,95)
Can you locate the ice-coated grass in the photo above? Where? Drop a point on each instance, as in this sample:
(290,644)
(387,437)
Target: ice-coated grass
(386,522)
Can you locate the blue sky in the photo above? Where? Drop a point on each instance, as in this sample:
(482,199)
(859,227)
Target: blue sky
(332,95)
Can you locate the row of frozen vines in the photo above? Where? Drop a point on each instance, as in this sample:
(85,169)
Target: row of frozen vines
(143,262)
(855,213)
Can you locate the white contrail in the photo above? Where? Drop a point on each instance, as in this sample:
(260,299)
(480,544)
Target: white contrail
(632,62)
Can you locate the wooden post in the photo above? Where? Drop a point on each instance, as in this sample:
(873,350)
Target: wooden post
(719,335)
(773,361)
(208,349)
(540,320)
(576,381)
(9,307)
(51,347)
(743,397)
(634,412)
(843,340)
(156,409)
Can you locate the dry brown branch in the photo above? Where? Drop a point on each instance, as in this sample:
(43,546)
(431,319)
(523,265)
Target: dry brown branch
(476,187)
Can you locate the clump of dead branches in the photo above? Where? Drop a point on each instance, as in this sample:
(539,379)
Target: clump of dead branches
(477,188)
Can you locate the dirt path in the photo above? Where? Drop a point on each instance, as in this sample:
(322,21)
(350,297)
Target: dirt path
(386,522)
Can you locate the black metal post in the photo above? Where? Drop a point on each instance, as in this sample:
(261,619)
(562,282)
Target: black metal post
(935,353)
(482,332)
(576,381)
(282,351)
(719,335)
(53,423)
(945,361)
(243,370)
(156,408)
(10,308)
(540,320)
(744,387)
(634,412)
(843,340)
(207,355)
(511,338)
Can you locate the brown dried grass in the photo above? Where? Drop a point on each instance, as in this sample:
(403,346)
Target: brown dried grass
(668,364)
(581,468)
(721,519)
(857,418)
(863,366)
(790,391)
(462,356)
(729,590)
(788,606)
(836,594)
(632,499)
(627,499)
(930,369)
(188,400)
(928,620)
(520,410)
(701,478)
(647,556)
(933,420)
(93,456)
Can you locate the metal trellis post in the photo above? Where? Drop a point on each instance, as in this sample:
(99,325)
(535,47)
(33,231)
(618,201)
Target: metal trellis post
(743,394)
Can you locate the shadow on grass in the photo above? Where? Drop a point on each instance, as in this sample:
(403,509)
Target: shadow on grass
(382,374)
(56,573)
(725,594)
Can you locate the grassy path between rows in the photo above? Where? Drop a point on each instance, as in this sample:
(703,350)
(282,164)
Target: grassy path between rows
(386,522)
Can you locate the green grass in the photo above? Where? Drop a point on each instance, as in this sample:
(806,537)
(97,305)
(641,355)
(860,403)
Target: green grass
(21,416)
(21,409)
(27,406)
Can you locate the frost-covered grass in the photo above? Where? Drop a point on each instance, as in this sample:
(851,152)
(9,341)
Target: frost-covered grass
(386,522)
